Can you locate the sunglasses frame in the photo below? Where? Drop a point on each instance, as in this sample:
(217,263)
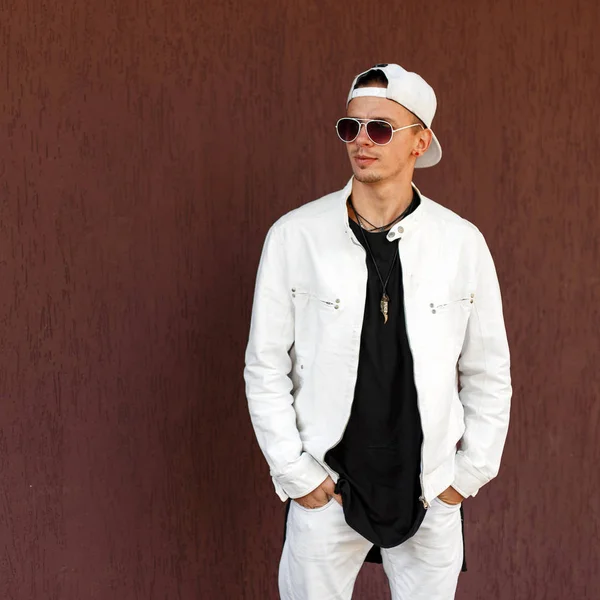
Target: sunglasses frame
(365,122)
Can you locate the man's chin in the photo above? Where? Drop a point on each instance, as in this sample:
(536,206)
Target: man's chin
(366,176)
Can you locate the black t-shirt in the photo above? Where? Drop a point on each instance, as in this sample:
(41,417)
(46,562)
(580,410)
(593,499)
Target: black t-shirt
(379,455)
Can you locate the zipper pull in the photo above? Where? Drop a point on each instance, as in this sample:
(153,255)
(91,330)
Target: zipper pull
(425,503)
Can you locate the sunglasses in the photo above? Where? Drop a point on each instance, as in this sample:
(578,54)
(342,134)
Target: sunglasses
(379,132)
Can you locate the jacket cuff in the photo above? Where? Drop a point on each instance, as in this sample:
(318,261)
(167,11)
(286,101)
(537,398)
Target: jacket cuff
(467,479)
(304,476)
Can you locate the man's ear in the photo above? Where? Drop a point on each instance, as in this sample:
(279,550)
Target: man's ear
(424,139)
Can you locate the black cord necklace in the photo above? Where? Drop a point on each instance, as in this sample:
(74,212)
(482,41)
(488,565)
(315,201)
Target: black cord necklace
(385,299)
(374,228)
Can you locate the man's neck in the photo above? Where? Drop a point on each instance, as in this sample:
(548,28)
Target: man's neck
(380,203)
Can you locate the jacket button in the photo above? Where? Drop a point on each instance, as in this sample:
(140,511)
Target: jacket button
(392,234)
(400,229)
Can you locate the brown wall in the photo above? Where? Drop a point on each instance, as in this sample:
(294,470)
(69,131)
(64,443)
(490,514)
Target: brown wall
(146,148)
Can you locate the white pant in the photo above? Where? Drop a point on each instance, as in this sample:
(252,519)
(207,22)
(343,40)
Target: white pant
(322,556)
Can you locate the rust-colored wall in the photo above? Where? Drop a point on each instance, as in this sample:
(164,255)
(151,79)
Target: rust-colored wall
(146,148)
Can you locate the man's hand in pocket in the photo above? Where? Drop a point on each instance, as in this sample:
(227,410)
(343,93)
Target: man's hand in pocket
(320,496)
(451,496)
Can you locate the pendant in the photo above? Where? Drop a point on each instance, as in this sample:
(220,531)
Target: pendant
(384,307)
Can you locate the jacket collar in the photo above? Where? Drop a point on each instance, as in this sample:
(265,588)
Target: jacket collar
(398,231)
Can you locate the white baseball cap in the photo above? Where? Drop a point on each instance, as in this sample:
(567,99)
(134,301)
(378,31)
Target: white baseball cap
(411,91)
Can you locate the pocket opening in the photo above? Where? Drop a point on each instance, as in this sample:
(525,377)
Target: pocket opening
(315,510)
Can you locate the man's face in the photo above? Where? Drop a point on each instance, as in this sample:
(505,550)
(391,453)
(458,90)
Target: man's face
(372,163)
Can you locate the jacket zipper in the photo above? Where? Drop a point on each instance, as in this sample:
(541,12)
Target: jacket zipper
(338,441)
(422,498)
(421,479)
(421,475)
(350,411)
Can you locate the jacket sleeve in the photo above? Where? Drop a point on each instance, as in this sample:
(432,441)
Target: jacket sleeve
(267,375)
(484,375)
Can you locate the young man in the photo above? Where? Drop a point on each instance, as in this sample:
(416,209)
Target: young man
(377,370)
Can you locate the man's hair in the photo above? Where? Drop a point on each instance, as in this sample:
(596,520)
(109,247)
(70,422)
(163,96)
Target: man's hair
(376,78)
(372,78)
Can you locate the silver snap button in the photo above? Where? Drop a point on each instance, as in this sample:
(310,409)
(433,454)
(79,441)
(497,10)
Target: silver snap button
(400,229)
(431,305)
(433,311)
(336,307)
(392,234)
(293,289)
(338,301)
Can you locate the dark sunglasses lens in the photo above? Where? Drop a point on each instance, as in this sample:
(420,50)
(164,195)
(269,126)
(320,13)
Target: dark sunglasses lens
(347,129)
(379,131)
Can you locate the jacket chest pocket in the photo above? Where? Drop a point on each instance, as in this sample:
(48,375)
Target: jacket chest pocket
(311,302)
(315,314)
(447,305)
(443,313)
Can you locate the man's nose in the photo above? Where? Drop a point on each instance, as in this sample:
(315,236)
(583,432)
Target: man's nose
(363,139)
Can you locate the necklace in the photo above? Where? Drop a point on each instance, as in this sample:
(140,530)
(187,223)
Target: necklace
(385,299)
(374,228)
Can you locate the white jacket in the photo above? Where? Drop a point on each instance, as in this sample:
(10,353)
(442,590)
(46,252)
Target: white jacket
(302,355)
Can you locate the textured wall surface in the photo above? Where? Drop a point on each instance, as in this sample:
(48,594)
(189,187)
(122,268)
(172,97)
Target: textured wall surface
(147,145)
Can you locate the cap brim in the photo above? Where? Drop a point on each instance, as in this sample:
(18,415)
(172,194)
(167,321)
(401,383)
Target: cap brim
(432,156)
